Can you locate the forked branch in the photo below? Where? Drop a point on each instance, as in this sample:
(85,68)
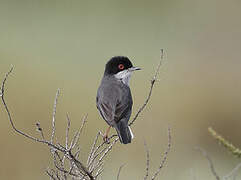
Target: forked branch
(154,79)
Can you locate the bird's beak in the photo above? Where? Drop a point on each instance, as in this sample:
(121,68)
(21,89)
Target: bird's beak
(134,68)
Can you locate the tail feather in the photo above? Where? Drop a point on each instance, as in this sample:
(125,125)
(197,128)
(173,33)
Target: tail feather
(124,132)
(132,135)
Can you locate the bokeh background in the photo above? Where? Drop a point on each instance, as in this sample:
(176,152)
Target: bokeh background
(65,44)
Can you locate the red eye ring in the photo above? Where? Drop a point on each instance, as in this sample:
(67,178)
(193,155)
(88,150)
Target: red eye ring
(121,66)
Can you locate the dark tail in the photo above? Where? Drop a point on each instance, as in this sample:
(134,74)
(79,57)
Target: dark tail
(124,131)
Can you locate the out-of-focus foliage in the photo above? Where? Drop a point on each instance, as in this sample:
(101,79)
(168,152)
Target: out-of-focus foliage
(230,147)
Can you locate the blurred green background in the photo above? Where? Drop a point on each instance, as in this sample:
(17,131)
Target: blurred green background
(65,44)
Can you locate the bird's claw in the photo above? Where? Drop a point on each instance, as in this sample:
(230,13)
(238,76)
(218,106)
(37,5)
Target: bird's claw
(106,139)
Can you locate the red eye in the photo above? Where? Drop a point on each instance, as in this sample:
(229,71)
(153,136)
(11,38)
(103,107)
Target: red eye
(121,66)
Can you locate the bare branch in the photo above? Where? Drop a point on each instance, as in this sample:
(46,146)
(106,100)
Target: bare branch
(94,164)
(165,155)
(4,81)
(210,162)
(77,133)
(80,166)
(107,150)
(67,131)
(60,167)
(119,171)
(95,153)
(147,161)
(10,116)
(150,92)
(93,147)
(233,172)
(54,148)
(54,114)
(40,130)
(100,170)
(66,172)
(50,174)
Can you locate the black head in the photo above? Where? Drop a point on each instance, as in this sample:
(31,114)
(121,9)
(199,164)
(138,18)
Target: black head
(117,64)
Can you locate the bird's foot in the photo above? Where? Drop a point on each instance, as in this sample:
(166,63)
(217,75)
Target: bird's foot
(106,139)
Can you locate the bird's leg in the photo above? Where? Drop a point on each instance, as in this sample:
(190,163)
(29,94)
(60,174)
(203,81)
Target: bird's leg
(105,137)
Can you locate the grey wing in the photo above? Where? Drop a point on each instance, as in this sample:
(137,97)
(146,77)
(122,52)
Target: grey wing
(114,103)
(106,112)
(124,106)
(106,107)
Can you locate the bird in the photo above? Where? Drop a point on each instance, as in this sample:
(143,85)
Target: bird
(114,99)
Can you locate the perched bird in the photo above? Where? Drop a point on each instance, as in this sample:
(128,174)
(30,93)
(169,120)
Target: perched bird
(114,100)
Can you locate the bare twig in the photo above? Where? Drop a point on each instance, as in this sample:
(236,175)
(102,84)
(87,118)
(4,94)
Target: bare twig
(99,172)
(147,161)
(210,162)
(10,117)
(107,150)
(233,172)
(164,156)
(58,162)
(98,152)
(150,92)
(94,164)
(50,174)
(54,114)
(119,171)
(54,147)
(67,131)
(93,147)
(81,167)
(40,130)
(77,133)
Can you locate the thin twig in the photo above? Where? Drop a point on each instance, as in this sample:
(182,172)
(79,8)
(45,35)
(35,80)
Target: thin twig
(92,148)
(164,156)
(119,171)
(147,161)
(39,129)
(233,172)
(67,131)
(150,92)
(65,171)
(107,151)
(81,168)
(77,133)
(100,170)
(97,166)
(56,154)
(96,153)
(11,120)
(54,114)
(50,174)
(76,154)
(210,162)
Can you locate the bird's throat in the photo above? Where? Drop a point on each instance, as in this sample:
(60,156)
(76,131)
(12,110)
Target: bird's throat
(124,76)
